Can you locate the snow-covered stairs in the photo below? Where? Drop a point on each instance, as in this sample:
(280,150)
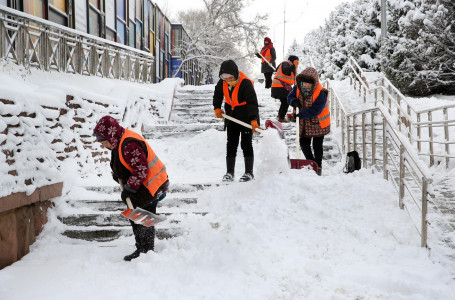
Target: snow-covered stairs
(100,219)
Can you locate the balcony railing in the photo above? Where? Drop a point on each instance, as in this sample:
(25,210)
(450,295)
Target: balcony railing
(34,42)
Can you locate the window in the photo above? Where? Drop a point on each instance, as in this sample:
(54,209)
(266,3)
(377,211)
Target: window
(95,3)
(146,24)
(58,4)
(121,21)
(57,12)
(138,9)
(121,32)
(121,10)
(132,37)
(36,8)
(93,22)
(138,34)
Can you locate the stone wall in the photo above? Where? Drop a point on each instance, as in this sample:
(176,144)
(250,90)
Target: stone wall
(22,219)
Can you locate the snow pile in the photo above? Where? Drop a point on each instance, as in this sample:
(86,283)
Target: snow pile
(48,117)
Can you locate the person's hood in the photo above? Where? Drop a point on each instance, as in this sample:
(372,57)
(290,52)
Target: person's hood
(308,75)
(110,129)
(229,67)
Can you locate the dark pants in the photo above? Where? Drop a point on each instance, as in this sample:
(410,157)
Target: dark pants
(283,108)
(268,79)
(145,236)
(234,132)
(305,144)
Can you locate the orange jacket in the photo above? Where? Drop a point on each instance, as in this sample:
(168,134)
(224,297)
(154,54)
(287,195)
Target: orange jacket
(156,174)
(279,75)
(324,116)
(234,101)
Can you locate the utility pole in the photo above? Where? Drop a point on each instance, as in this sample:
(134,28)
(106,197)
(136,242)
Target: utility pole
(284,26)
(383,19)
(383,31)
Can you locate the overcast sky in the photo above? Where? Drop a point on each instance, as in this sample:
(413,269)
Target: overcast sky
(302,16)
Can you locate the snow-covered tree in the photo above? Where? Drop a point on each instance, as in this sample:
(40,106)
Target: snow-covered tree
(219,32)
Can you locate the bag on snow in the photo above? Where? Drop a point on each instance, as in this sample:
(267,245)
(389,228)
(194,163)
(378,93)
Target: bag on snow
(353,162)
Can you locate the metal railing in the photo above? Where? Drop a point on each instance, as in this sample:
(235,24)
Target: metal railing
(372,132)
(34,42)
(408,119)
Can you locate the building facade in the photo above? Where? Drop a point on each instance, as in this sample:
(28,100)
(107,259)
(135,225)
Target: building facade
(140,24)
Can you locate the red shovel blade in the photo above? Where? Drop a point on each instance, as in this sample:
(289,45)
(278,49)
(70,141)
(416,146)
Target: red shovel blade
(127,213)
(302,163)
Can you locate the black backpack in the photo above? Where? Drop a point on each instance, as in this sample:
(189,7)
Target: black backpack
(353,162)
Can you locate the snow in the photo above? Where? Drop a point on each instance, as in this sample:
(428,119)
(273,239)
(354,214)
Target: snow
(286,235)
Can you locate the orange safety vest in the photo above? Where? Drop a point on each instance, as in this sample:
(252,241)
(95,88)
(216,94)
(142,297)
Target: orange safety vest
(324,116)
(279,75)
(156,174)
(267,56)
(234,101)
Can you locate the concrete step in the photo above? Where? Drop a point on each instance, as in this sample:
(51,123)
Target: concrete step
(116,219)
(117,205)
(110,234)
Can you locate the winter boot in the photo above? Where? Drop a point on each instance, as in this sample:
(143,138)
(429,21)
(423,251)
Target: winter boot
(319,171)
(132,256)
(230,166)
(249,162)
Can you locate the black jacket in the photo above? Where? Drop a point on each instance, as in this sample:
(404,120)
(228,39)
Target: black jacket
(245,113)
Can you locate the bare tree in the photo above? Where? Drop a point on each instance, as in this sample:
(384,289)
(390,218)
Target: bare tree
(218,32)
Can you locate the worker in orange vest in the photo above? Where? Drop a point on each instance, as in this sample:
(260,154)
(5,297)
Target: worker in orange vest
(268,58)
(282,84)
(311,98)
(135,163)
(241,103)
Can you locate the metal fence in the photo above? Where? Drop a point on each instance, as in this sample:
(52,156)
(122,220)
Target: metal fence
(417,125)
(34,42)
(373,133)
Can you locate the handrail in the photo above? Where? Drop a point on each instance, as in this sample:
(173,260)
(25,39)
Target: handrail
(409,162)
(404,119)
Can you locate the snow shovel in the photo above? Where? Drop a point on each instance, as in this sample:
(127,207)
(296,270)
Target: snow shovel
(139,215)
(298,163)
(268,124)
(259,52)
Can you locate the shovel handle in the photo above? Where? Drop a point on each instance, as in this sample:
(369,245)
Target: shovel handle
(128,200)
(240,122)
(259,52)
(297,132)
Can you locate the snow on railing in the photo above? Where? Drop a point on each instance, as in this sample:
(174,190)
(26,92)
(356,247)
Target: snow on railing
(400,162)
(31,41)
(409,119)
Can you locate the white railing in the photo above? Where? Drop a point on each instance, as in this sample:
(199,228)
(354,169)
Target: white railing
(408,119)
(372,132)
(34,42)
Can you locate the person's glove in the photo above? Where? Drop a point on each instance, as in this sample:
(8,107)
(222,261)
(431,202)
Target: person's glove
(127,192)
(115,177)
(219,113)
(255,126)
(258,55)
(296,103)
